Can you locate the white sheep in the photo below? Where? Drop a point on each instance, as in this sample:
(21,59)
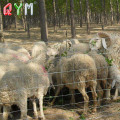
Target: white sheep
(81,47)
(74,41)
(113,80)
(10,51)
(28,80)
(102,73)
(32,76)
(39,49)
(62,47)
(109,45)
(77,72)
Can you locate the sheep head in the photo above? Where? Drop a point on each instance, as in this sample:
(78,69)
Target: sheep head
(102,40)
(38,48)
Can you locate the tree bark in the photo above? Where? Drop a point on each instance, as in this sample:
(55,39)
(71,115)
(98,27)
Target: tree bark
(1,20)
(117,4)
(105,19)
(88,16)
(80,13)
(102,15)
(43,21)
(54,21)
(111,8)
(67,13)
(57,14)
(72,19)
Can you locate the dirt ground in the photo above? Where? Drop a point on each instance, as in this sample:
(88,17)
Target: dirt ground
(109,111)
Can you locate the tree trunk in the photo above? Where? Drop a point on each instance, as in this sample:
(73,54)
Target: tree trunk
(1,21)
(88,16)
(54,21)
(24,16)
(67,13)
(102,15)
(80,13)
(111,7)
(43,21)
(58,15)
(117,4)
(105,19)
(72,19)
(15,22)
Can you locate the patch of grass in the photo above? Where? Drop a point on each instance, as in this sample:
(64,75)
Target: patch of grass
(70,118)
(118,101)
(93,43)
(82,117)
(64,54)
(44,108)
(109,61)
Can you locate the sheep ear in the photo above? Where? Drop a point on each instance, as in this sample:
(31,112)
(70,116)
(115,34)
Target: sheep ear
(104,43)
(113,83)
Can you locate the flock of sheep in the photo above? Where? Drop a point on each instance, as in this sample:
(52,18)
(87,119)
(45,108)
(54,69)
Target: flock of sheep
(71,63)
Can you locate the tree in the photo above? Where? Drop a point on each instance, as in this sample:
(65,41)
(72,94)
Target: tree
(80,13)
(54,21)
(72,19)
(1,21)
(117,5)
(88,16)
(102,13)
(43,21)
(111,10)
(67,13)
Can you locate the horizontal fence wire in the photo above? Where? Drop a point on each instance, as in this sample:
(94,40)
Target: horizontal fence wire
(51,95)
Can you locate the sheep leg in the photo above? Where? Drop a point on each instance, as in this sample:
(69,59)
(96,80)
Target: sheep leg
(100,94)
(86,98)
(104,83)
(23,106)
(1,111)
(35,109)
(107,93)
(116,94)
(6,111)
(40,97)
(72,101)
(56,94)
(0,108)
(94,94)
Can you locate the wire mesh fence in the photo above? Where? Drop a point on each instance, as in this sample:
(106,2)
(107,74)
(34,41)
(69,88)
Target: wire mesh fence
(74,84)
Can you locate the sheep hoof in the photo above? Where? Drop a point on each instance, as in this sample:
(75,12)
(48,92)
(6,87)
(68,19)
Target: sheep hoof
(108,99)
(41,118)
(116,98)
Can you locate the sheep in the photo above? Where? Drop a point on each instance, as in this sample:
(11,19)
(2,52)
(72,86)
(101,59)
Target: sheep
(8,55)
(109,45)
(81,47)
(38,49)
(62,47)
(102,73)
(84,72)
(17,52)
(16,48)
(28,81)
(101,64)
(114,80)
(32,80)
(74,41)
